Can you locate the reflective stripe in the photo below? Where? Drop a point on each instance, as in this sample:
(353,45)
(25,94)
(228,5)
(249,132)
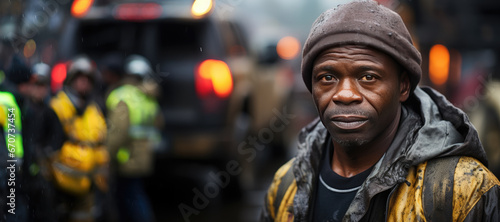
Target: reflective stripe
(82,215)
(123,155)
(8,101)
(143,132)
(69,171)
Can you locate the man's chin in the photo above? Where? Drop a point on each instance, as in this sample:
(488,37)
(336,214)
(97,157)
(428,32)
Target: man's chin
(350,142)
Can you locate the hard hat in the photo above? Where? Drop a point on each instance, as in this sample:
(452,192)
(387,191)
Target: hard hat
(81,65)
(41,71)
(137,65)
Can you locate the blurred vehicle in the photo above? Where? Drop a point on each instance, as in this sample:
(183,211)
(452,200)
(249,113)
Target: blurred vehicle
(183,40)
(187,52)
(215,91)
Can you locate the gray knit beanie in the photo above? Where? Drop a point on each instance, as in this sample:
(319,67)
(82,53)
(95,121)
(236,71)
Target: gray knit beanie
(362,23)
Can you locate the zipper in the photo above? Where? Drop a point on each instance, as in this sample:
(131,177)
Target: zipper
(388,199)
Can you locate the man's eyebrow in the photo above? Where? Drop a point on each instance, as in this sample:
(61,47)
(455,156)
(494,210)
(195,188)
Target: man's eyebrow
(323,68)
(366,68)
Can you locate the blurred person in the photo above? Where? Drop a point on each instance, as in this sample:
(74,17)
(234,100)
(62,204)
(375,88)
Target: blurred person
(40,190)
(112,72)
(484,112)
(383,148)
(76,140)
(40,93)
(14,93)
(133,120)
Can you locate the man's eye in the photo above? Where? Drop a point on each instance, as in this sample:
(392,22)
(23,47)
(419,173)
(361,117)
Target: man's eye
(328,78)
(368,77)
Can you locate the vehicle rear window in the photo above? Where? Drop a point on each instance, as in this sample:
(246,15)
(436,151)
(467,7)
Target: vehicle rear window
(153,39)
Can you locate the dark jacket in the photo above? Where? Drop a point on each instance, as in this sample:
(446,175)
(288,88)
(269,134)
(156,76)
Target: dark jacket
(431,132)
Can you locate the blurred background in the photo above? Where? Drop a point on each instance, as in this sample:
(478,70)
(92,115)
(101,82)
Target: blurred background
(227,129)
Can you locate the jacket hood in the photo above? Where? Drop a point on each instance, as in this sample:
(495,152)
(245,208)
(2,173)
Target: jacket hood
(430,127)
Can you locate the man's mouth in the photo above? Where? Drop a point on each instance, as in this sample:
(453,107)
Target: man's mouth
(349,122)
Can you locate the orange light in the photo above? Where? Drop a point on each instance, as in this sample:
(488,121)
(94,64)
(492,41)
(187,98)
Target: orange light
(288,47)
(439,64)
(29,48)
(214,75)
(81,7)
(201,8)
(58,76)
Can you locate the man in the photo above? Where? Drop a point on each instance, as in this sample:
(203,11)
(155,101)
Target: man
(134,119)
(383,148)
(37,169)
(77,136)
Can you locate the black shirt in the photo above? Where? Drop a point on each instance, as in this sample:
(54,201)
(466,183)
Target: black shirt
(334,193)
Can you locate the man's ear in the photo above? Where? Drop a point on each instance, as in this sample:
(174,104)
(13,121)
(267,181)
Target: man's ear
(404,87)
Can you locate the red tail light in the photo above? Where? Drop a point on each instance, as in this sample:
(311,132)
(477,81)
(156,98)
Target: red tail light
(138,11)
(58,76)
(213,76)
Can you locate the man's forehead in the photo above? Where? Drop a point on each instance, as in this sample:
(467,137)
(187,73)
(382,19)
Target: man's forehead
(351,49)
(367,51)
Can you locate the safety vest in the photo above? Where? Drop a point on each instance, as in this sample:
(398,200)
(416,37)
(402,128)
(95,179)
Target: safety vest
(83,154)
(143,110)
(10,120)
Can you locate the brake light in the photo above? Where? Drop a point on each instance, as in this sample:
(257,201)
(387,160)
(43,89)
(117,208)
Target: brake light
(213,76)
(138,11)
(201,8)
(58,76)
(79,8)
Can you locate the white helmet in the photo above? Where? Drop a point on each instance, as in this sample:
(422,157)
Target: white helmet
(138,66)
(81,65)
(42,72)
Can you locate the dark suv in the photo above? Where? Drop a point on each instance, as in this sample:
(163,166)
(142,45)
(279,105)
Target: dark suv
(187,52)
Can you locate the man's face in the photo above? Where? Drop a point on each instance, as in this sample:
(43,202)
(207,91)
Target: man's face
(358,93)
(82,85)
(39,92)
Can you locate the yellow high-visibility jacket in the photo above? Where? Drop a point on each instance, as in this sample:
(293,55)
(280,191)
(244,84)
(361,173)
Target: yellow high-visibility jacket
(433,171)
(83,157)
(10,121)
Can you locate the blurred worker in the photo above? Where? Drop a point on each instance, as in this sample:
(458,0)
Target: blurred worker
(485,115)
(79,163)
(133,131)
(41,87)
(40,189)
(13,106)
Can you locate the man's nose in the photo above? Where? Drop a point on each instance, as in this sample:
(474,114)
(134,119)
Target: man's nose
(347,92)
